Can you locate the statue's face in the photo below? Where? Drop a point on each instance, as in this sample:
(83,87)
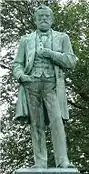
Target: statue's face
(43,19)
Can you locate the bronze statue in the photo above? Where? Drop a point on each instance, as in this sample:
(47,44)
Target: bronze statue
(38,66)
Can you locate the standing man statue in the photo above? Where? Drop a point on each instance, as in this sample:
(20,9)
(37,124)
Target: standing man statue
(38,66)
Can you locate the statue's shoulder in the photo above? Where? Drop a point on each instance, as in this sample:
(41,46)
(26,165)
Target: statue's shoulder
(28,36)
(64,35)
(60,34)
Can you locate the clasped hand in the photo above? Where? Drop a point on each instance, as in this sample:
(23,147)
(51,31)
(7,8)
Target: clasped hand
(44,52)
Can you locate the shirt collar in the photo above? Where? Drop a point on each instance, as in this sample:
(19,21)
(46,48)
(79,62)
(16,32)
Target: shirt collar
(44,33)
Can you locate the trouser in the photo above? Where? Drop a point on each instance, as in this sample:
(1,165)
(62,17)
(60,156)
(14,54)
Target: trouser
(39,91)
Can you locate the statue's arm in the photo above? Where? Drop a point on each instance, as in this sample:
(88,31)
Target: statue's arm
(67,58)
(18,63)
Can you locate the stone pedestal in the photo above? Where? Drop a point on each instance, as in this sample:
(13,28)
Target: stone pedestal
(46,171)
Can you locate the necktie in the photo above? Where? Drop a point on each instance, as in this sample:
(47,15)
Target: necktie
(44,37)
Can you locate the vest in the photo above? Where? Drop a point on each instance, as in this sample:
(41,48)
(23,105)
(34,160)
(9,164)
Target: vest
(42,66)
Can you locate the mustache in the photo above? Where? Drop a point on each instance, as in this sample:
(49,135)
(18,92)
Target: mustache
(44,21)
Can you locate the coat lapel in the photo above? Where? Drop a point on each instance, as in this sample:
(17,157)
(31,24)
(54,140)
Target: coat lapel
(60,84)
(57,41)
(30,51)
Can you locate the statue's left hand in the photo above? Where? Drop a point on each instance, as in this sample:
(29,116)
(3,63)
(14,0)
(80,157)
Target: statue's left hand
(44,52)
(47,53)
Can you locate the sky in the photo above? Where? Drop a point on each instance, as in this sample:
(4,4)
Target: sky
(64,1)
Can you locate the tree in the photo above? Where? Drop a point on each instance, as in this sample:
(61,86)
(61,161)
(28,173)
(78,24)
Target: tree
(17,20)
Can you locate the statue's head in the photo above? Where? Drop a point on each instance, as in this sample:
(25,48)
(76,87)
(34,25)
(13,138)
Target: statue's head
(43,17)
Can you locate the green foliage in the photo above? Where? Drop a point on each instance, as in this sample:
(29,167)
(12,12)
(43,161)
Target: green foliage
(17,20)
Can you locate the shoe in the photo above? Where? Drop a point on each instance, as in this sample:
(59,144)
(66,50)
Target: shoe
(35,166)
(70,165)
(66,165)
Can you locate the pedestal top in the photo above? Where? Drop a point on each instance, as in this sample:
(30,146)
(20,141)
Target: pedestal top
(46,171)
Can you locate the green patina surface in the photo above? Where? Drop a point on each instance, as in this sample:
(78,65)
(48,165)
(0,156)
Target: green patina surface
(39,66)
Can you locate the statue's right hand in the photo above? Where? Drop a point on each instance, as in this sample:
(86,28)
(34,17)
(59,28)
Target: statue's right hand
(25,78)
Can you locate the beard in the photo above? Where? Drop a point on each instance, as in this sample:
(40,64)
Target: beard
(44,26)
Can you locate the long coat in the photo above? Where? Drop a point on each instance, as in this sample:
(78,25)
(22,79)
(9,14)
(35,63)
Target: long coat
(63,58)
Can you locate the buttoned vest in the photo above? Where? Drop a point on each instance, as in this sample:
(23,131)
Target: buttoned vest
(43,65)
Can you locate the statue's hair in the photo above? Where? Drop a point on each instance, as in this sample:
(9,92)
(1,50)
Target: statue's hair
(45,7)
